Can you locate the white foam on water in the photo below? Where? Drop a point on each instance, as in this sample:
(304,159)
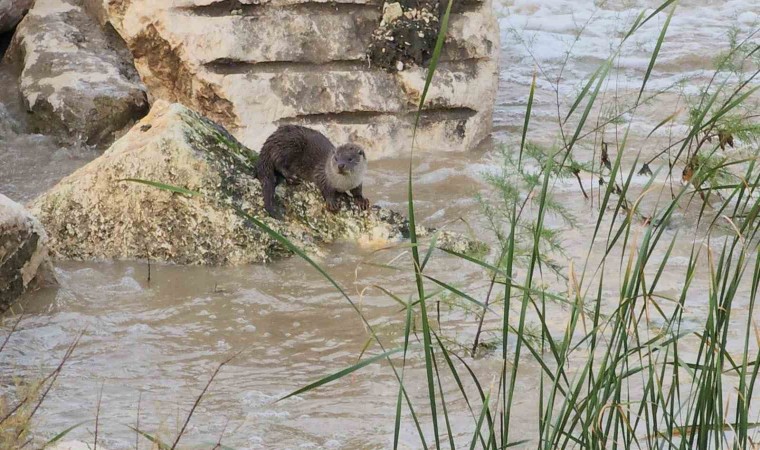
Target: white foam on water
(541,32)
(568,40)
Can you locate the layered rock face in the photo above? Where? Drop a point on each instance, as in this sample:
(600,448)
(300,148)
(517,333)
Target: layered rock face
(24,262)
(95,214)
(252,65)
(11,13)
(75,80)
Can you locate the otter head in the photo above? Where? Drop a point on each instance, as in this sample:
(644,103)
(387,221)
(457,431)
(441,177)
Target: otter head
(347,166)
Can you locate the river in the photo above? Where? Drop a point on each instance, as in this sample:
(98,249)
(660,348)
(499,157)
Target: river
(157,341)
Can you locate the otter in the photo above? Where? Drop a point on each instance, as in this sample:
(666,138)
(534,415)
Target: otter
(294,153)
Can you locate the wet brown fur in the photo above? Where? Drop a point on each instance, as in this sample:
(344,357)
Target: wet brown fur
(295,153)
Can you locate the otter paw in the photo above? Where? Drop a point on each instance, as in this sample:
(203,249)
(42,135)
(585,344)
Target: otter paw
(362,203)
(333,205)
(277,215)
(292,181)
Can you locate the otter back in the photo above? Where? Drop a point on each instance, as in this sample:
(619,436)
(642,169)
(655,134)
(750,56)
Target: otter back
(295,153)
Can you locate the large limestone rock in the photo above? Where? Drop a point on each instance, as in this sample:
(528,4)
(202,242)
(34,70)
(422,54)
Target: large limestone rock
(24,262)
(94,214)
(76,80)
(252,65)
(11,13)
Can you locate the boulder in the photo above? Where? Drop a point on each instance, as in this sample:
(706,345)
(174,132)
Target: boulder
(95,214)
(24,262)
(252,65)
(11,13)
(76,80)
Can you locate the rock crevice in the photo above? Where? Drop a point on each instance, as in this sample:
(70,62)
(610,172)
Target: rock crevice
(11,13)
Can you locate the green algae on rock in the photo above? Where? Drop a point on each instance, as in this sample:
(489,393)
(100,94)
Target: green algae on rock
(95,214)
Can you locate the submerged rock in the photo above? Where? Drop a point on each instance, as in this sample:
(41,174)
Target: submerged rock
(75,80)
(95,214)
(24,262)
(11,13)
(253,65)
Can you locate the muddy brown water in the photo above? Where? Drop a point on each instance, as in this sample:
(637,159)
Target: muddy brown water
(151,345)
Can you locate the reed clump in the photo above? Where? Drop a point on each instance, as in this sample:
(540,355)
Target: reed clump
(631,368)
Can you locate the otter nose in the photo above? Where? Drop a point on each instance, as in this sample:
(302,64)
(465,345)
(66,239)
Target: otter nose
(341,166)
